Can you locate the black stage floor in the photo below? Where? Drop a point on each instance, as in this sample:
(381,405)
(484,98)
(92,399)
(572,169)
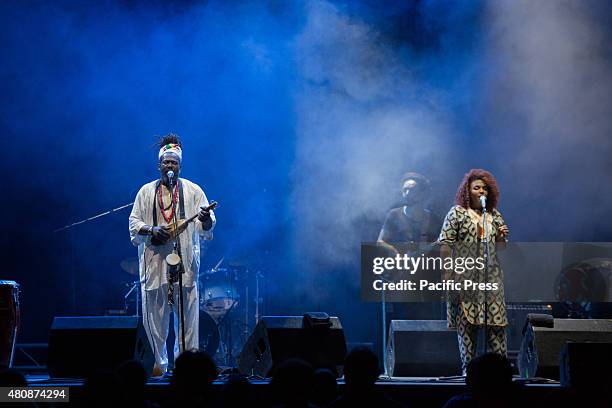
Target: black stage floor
(410,391)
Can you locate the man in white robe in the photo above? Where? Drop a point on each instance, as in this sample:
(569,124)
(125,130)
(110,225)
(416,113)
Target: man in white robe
(154,209)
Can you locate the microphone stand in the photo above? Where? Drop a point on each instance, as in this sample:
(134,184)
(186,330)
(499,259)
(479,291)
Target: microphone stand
(487,255)
(383,311)
(180,271)
(69,229)
(102,214)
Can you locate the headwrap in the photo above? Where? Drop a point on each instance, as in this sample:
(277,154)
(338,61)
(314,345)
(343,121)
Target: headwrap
(171,148)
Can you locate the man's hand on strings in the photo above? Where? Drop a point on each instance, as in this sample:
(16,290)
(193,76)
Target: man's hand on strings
(161,234)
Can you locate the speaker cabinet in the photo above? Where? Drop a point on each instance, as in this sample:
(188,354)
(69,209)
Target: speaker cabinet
(277,338)
(422,348)
(584,365)
(541,346)
(80,345)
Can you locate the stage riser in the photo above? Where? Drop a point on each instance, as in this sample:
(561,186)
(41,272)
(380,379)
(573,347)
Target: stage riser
(413,394)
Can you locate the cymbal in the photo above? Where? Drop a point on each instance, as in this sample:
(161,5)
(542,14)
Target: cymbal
(237,263)
(213,270)
(130,265)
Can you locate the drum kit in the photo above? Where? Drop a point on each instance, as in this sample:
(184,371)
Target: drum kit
(230,301)
(230,305)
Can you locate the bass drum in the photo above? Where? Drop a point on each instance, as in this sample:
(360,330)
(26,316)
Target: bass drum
(218,293)
(208,334)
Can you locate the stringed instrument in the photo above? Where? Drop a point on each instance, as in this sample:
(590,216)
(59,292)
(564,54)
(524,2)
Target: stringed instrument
(181,225)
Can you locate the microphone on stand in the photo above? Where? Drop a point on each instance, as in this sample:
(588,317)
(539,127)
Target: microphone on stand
(173,260)
(483,202)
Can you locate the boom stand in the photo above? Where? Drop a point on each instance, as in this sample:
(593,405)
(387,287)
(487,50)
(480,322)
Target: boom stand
(135,287)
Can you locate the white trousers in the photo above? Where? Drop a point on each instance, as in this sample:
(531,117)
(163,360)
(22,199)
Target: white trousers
(156,320)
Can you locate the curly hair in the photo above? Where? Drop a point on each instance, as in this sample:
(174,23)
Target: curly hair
(169,138)
(462,197)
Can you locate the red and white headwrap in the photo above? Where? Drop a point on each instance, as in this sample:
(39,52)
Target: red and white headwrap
(171,148)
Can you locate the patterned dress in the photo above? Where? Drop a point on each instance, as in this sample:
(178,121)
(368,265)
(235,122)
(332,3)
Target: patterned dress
(462,231)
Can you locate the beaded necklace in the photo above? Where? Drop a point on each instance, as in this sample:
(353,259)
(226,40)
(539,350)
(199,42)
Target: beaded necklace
(172,202)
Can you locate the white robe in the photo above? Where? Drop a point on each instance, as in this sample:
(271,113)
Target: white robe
(152,266)
(152,258)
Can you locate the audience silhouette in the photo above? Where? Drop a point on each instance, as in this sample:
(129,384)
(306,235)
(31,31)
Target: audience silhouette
(10,377)
(101,389)
(295,384)
(360,374)
(191,381)
(237,392)
(292,384)
(489,383)
(325,387)
(133,379)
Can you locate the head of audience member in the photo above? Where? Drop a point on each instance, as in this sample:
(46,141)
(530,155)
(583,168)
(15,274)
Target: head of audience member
(101,389)
(489,375)
(361,370)
(10,377)
(236,392)
(133,379)
(292,383)
(194,372)
(325,387)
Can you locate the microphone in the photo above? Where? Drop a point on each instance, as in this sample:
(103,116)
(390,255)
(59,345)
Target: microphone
(170,175)
(483,202)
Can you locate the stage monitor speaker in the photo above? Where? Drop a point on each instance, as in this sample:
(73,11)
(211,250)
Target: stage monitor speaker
(80,345)
(584,365)
(541,346)
(277,338)
(422,348)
